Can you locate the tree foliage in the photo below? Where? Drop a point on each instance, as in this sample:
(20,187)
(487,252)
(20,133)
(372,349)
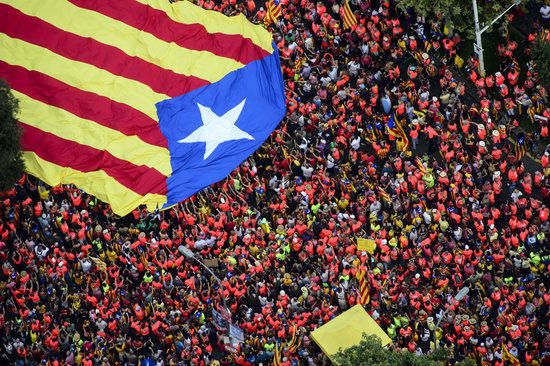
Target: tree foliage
(458,14)
(11,160)
(466,362)
(541,56)
(370,352)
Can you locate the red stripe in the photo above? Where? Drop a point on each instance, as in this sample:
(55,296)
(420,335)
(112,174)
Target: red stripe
(67,153)
(83,104)
(34,30)
(191,36)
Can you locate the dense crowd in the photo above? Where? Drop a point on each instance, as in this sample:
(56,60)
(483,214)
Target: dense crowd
(460,207)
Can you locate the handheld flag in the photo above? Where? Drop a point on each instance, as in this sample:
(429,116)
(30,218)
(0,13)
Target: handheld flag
(405,143)
(364,296)
(277,354)
(392,126)
(531,111)
(519,148)
(507,356)
(384,195)
(420,165)
(274,11)
(350,20)
(295,342)
(396,130)
(141,102)
(366,245)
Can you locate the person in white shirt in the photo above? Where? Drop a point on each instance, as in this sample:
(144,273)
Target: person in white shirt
(307,170)
(353,67)
(545,12)
(356,143)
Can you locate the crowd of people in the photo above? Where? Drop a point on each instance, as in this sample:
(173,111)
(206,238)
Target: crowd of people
(456,205)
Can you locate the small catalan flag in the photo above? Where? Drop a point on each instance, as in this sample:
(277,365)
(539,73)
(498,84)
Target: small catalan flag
(274,11)
(363,287)
(350,20)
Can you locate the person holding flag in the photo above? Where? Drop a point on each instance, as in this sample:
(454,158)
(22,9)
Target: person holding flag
(275,227)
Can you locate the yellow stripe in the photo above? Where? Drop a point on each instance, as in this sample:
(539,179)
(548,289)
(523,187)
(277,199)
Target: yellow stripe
(80,75)
(98,183)
(187,13)
(70,127)
(132,41)
(350,18)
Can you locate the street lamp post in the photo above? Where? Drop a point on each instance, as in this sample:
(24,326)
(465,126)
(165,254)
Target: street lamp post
(189,254)
(459,296)
(478,46)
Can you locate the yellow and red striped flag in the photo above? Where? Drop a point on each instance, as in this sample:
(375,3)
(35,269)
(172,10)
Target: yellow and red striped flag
(277,354)
(507,356)
(519,148)
(295,341)
(384,195)
(420,165)
(88,73)
(364,296)
(383,152)
(531,111)
(349,18)
(405,143)
(274,11)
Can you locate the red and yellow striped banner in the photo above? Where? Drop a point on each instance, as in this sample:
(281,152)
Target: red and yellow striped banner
(88,73)
(350,20)
(383,152)
(420,165)
(405,143)
(507,356)
(384,195)
(274,11)
(277,354)
(364,296)
(519,151)
(295,342)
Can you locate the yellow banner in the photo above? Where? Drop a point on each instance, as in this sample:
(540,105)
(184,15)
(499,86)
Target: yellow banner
(366,245)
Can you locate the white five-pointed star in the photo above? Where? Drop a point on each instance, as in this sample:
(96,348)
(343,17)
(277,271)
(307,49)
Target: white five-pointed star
(217,129)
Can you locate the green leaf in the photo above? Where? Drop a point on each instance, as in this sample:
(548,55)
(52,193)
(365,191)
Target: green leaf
(11,164)
(541,58)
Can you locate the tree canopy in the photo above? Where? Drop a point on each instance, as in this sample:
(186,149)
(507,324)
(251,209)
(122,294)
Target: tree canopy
(370,352)
(11,163)
(458,13)
(541,57)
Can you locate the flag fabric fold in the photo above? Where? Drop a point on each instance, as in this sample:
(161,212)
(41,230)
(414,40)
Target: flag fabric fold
(94,94)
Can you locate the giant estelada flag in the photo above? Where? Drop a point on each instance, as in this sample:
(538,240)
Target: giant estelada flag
(138,101)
